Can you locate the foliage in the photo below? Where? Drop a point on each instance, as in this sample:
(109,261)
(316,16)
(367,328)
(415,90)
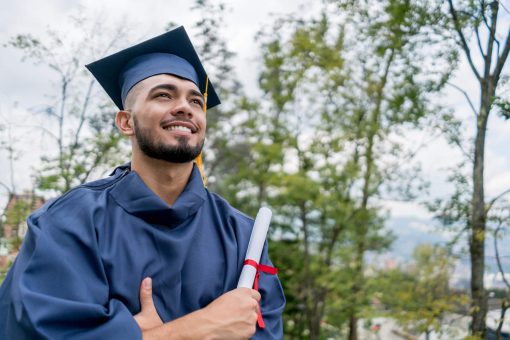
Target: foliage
(15,216)
(318,148)
(423,297)
(77,121)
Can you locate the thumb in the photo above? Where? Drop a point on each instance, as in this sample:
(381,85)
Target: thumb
(146,302)
(148,316)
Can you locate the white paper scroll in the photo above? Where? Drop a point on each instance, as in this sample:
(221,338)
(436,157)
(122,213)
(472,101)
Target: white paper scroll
(257,239)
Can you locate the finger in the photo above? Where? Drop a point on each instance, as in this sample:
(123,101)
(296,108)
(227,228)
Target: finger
(146,301)
(148,316)
(256,295)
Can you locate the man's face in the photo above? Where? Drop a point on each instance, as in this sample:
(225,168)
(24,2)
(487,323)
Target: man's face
(168,117)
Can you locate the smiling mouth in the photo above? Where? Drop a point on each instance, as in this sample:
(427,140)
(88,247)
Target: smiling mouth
(180,125)
(178,128)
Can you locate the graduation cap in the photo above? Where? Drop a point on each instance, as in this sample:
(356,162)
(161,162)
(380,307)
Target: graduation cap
(169,53)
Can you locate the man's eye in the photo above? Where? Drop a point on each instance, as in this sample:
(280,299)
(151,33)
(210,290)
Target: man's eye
(197,101)
(164,95)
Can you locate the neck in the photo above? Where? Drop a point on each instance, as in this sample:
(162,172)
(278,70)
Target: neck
(167,180)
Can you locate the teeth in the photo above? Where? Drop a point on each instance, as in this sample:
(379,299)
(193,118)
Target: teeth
(178,128)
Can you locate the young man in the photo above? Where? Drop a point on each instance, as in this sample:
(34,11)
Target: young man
(152,222)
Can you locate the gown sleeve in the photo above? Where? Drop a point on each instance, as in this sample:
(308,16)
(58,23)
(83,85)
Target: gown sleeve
(57,288)
(272,303)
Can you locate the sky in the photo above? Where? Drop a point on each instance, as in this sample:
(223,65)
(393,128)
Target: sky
(24,86)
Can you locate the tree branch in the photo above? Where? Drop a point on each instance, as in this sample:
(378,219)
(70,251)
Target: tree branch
(484,18)
(492,37)
(83,113)
(479,42)
(44,130)
(503,57)
(503,6)
(95,163)
(6,187)
(504,307)
(456,238)
(491,203)
(463,41)
(466,96)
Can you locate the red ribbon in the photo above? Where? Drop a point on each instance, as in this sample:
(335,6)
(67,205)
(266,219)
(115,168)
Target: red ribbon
(264,269)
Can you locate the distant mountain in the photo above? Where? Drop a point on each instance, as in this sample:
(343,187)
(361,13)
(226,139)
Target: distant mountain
(411,232)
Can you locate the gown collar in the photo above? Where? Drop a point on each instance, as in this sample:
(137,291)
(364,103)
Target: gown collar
(134,196)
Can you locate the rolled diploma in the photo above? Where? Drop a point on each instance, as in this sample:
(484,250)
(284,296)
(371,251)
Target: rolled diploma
(257,239)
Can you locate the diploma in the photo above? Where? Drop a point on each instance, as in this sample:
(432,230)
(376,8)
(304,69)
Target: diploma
(257,239)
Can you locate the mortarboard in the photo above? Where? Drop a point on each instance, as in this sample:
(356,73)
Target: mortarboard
(171,53)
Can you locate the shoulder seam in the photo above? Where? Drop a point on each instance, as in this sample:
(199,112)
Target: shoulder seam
(233,209)
(88,186)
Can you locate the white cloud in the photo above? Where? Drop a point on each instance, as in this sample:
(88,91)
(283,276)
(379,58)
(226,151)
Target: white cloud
(399,209)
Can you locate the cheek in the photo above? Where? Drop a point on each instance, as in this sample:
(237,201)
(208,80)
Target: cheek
(202,122)
(147,119)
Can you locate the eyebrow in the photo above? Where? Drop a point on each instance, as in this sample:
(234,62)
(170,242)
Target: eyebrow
(171,87)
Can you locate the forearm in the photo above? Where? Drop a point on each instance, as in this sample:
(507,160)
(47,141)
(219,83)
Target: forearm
(231,316)
(196,325)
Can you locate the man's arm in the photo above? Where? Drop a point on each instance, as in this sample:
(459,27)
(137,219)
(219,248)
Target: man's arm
(231,316)
(57,288)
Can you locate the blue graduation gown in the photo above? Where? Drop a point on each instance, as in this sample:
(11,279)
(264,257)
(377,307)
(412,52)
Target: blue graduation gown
(79,270)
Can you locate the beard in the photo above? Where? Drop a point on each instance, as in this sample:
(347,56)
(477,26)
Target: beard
(180,153)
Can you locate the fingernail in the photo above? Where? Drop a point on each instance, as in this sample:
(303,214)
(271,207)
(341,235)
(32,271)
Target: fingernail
(147,283)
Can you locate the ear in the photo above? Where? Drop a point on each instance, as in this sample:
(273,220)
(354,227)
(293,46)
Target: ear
(124,122)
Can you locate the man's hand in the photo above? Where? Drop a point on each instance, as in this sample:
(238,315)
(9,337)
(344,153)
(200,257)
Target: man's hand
(233,315)
(148,317)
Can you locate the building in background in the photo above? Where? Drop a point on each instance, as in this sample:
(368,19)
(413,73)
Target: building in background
(13,224)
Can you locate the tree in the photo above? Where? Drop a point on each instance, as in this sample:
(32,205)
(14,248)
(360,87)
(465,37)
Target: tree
(78,121)
(321,151)
(418,295)
(475,27)
(386,92)
(482,16)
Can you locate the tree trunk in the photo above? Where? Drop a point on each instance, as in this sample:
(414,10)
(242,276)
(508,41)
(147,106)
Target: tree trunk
(478,218)
(362,229)
(504,306)
(488,83)
(353,327)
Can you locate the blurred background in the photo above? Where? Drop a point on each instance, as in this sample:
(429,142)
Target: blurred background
(377,132)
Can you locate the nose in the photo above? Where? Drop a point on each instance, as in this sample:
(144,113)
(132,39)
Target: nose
(182,107)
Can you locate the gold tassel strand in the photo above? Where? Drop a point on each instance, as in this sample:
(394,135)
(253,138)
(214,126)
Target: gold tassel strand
(198,160)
